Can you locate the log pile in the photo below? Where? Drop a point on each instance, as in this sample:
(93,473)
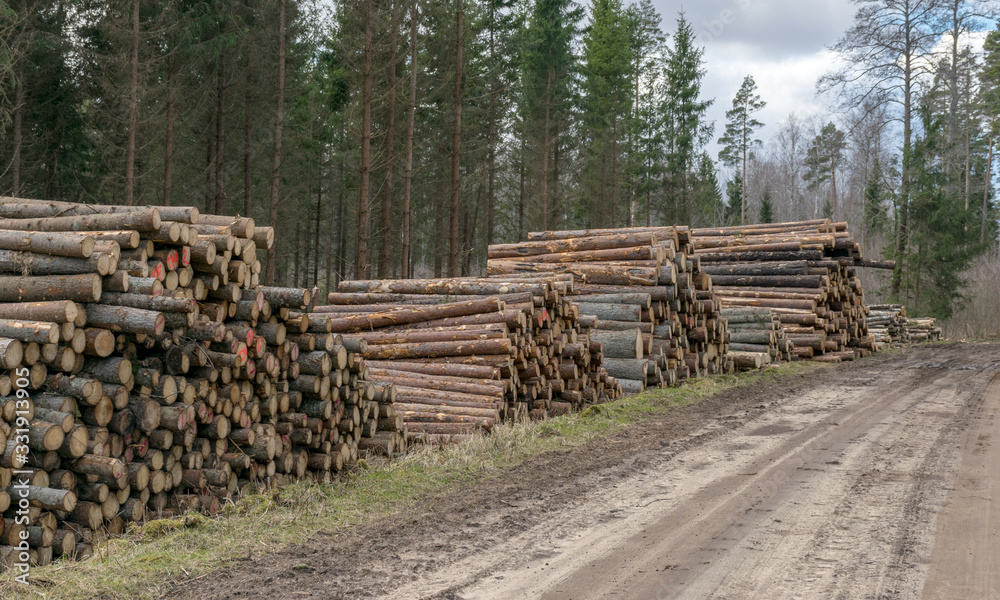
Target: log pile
(642,293)
(887,322)
(757,338)
(923,330)
(151,374)
(804,272)
(466,353)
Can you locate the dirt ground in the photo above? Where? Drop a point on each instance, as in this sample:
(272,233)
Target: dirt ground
(876,479)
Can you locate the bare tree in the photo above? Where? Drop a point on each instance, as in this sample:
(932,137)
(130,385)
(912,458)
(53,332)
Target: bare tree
(884,56)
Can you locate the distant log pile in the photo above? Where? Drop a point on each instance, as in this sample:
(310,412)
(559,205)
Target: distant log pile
(804,272)
(891,327)
(887,322)
(151,374)
(923,330)
(466,353)
(642,295)
(757,338)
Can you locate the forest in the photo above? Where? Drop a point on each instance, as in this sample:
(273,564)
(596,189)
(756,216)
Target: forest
(399,138)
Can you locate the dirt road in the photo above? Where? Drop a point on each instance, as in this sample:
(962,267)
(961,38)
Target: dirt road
(878,479)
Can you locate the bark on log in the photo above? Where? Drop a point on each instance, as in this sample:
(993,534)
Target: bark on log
(78,288)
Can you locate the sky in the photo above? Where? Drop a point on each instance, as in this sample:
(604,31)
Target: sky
(781,43)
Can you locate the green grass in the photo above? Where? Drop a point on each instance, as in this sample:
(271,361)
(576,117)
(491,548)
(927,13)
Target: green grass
(149,560)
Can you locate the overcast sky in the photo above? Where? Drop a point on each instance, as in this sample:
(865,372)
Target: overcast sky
(782,43)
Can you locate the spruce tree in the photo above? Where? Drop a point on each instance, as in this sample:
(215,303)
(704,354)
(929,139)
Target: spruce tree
(684,112)
(766,208)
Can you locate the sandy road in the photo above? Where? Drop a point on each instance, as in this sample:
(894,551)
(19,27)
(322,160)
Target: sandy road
(874,480)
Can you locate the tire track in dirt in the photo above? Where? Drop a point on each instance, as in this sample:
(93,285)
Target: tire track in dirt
(819,487)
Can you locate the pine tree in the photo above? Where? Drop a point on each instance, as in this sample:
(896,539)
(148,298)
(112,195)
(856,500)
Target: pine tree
(547,67)
(990,103)
(709,208)
(684,112)
(823,159)
(738,141)
(607,96)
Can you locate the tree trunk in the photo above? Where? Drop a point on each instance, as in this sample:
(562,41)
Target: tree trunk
(247,146)
(390,141)
(743,191)
(902,217)
(220,137)
(168,144)
(316,229)
(411,115)
(133,101)
(15,163)
(278,126)
(456,147)
(520,194)
(545,148)
(361,263)
(986,193)
(556,208)
(341,213)
(491,139)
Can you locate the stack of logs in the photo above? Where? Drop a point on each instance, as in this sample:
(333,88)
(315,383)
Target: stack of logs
(757,338)
(153,376)
(923,329)
(643,296)
(887,322)
(804,272)
(465,353)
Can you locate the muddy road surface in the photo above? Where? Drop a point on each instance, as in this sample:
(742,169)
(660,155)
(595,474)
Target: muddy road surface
(878,479)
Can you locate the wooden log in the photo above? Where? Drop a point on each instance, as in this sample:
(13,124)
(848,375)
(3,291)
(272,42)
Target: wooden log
(78,288)
(558,246)
(438,349)
(443,287)
(14,261)
(56,311)
(611,312)
(55,244)
(139,219)
(596,273)
(123,319)
(444,369)
(619,344)
(153,303)
(30,331)
(626,368)
(418,314)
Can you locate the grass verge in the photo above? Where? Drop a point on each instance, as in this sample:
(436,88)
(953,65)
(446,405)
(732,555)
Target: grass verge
(149,560)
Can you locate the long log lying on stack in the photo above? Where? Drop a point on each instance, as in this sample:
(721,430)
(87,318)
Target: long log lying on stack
(456,347)
(644,293)
(757,338)
(154,375)
(802,271)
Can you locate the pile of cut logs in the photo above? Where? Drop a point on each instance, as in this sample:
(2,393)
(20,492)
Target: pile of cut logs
(152,375)
(641,294)
(465,353)
(923,329)
(887,322)
(757,338)
(804,272)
